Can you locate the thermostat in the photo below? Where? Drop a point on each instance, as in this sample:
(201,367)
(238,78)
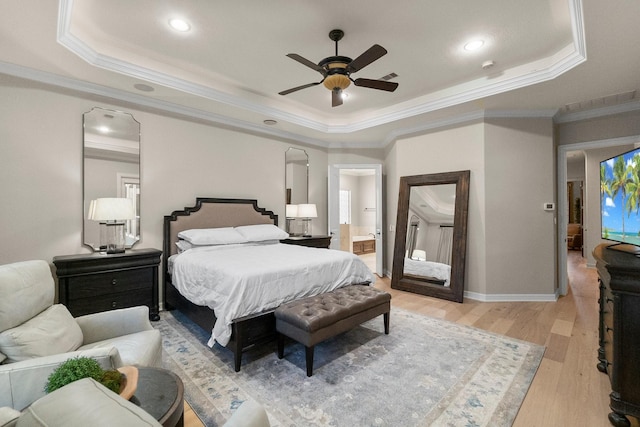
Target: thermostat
(548,206)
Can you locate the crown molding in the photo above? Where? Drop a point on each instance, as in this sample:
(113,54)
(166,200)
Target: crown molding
(627,107)
(519,77)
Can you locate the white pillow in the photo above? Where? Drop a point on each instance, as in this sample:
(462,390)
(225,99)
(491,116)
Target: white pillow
(53,331)
(212,236)
(183,245)
(262,232)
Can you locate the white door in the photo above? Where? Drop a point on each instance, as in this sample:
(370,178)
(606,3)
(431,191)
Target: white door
(334,208)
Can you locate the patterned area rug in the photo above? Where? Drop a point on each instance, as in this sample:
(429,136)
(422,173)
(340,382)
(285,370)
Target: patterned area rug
(426,372)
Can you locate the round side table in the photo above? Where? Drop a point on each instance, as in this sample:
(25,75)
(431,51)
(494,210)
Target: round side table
(160,392)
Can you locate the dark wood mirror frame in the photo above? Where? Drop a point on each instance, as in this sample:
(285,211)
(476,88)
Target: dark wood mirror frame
(455,291)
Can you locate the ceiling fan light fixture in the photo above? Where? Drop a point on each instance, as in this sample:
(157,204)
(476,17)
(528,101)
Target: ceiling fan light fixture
(338,81)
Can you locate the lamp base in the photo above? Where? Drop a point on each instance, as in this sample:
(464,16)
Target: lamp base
(306,227)
(115,238)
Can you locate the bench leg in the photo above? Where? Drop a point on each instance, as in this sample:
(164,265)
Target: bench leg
(386,323)
(309,355)
(280,346)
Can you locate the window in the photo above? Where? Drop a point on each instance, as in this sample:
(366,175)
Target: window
(345,207)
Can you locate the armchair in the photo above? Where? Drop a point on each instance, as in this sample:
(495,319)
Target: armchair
(574,236)
(37,335)
(88,403)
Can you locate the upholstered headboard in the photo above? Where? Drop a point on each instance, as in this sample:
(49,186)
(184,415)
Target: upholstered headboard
(213,213)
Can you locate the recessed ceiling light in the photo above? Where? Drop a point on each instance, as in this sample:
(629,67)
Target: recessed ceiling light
(344,95)
(474,45)
(270,122)
(103,129)
(179,24)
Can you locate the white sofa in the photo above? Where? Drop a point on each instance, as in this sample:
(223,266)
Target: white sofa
(36,335)
(88,403)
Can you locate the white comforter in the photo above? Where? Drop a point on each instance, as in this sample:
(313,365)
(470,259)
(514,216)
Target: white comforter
(238,280)
(428,268)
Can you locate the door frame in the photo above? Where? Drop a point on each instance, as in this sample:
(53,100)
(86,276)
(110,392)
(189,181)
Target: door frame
(333,217)
(563,209)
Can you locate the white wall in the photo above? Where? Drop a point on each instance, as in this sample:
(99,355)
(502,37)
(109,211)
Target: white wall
(511,240)
(447,150)
(41,171)
(41,180)
(520,236)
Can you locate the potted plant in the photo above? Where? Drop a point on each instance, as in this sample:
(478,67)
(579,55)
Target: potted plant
(122,381)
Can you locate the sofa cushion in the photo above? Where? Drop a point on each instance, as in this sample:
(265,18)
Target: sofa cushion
(53,331)
(30,283)
(84,403)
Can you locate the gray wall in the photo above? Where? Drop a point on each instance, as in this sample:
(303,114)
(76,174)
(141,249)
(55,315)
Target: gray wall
(511,239)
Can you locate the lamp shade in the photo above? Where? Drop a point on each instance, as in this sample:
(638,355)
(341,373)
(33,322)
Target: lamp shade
(291,211)
(111,209)
(307,211)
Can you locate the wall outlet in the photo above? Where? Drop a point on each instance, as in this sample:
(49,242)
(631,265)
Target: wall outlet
(549,206)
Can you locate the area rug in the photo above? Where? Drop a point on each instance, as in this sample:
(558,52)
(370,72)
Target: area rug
(427,372)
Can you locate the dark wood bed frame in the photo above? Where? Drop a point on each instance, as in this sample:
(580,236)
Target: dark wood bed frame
(249,330)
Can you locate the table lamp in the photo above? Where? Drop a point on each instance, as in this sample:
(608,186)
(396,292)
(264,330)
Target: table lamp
(112,212)
(306,212)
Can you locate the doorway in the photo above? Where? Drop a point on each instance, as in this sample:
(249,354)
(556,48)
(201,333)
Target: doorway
(355,211)
(589,241)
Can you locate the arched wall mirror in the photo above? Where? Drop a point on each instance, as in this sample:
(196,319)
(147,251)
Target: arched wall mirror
(431,235)
(111,167)
(296,179)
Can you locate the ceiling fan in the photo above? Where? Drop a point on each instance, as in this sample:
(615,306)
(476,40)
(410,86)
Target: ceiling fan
(336,71)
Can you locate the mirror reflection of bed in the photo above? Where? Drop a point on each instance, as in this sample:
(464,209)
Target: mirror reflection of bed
(430,234)
(431,229)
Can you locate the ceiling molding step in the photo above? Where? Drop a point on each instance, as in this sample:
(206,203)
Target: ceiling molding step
(519,77)
(597,112)
(142,101)
(464,118)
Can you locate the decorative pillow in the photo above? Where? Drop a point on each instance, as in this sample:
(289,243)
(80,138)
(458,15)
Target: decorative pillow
(53,331)
(183,245)
(212,236)
(262,232)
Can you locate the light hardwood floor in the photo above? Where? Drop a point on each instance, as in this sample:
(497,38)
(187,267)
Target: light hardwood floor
(567,390)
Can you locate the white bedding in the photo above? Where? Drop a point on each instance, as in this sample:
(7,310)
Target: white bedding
(428,268)
(243,279)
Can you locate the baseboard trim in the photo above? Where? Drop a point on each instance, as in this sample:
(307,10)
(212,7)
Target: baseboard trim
(511,297)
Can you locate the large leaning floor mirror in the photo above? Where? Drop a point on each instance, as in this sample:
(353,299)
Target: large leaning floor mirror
(431,235)
(111,185)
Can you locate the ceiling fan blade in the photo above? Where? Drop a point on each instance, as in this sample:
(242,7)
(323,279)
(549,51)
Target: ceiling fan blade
(374,52)
(294,89)
(376,84)
(306,62)
(336,98)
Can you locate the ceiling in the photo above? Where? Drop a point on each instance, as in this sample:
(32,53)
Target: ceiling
(548,56)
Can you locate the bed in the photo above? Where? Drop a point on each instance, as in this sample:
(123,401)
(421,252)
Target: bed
(233,289)
(429,271)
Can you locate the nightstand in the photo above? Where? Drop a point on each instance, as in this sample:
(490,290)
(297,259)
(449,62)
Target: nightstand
(95,282)
(313,241)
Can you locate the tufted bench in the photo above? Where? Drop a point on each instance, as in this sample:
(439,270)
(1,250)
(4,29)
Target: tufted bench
(314,319)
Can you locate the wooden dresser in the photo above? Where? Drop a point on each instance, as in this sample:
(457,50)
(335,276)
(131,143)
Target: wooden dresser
(619,328)
(95,282)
